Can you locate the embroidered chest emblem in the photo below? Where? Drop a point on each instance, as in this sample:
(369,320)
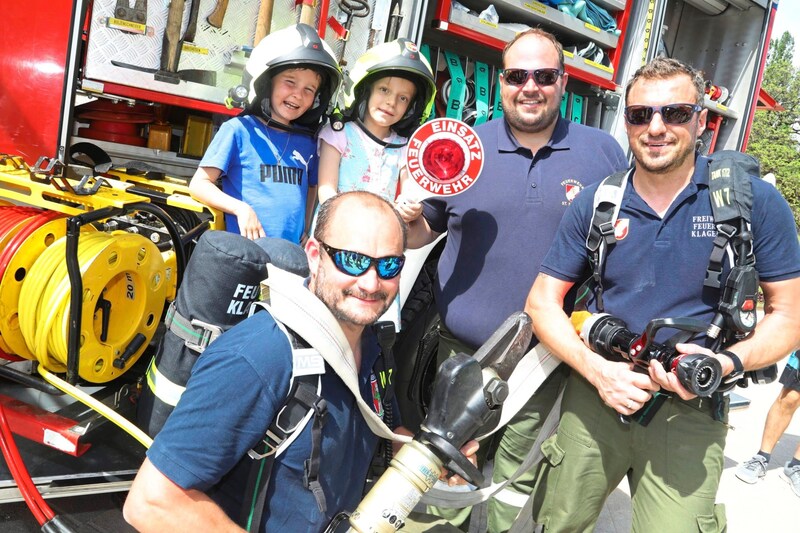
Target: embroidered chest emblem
(621,228)
(571,189)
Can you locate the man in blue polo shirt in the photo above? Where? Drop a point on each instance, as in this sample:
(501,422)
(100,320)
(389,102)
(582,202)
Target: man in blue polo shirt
(194,477)
(499,230)
(655,269)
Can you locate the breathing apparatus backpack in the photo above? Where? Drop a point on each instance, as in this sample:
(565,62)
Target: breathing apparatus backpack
(220,282)
(731,203)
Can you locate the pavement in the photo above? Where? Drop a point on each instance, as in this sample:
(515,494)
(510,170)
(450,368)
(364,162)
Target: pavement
(769,505)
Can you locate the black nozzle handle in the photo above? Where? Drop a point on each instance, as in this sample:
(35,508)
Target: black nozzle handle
(452,457)
(683,324)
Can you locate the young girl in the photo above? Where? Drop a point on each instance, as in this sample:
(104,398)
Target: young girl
(266,157)
(390,92)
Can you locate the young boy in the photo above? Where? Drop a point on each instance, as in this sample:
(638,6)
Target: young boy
(265,158)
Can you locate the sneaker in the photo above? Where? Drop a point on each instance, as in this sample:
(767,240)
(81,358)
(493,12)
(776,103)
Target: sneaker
(792,477)
(754,470)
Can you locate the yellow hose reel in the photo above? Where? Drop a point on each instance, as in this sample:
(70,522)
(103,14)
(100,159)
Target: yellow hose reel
(124,289)
(11,339)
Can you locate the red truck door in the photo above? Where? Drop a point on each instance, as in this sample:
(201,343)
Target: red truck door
(37,69)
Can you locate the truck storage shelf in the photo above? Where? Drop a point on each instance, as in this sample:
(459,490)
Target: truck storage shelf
(471,27)
(170,162)
(611,5)
(586,65)
(148,95)
(533,13)
(109,464)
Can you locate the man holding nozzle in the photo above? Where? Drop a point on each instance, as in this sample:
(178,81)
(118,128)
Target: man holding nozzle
(617,421)
(195,476)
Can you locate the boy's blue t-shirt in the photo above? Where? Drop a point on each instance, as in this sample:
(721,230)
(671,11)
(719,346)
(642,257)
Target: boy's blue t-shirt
(267,168)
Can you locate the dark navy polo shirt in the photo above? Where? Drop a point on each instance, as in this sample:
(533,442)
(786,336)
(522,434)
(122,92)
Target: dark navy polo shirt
(500,229)
(657,268)
(235,390)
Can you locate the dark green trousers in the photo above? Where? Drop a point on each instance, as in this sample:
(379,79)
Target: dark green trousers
(673,465)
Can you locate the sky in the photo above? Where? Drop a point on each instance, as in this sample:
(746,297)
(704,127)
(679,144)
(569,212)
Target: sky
(788,19)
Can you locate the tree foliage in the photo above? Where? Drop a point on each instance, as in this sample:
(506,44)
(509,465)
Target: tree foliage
(771,138)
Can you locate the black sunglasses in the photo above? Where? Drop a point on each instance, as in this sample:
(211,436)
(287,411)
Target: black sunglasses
(520,76)
(636,115)
(356,264)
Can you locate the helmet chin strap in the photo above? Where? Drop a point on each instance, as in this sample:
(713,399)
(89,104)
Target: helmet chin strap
(383,143)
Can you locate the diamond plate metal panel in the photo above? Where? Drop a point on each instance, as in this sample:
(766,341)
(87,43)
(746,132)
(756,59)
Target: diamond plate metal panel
(216,50)
(211,49)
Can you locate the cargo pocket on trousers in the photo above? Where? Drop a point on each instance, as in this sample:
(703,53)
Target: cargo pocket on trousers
(547,477)
(552,452)
(715,523)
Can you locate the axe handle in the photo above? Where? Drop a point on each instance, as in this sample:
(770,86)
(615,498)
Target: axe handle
(170,48)
(191,29)
(218,15)
(308,13)
(264,21)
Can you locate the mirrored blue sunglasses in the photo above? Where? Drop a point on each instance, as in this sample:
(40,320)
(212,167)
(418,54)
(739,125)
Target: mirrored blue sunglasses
(356,264)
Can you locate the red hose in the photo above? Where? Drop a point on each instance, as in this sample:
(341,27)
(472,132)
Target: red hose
(41,511)
(34,222)
(10,218)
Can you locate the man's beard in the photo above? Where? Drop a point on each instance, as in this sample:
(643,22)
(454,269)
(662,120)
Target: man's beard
(522,122)
(333,298)
(661,166)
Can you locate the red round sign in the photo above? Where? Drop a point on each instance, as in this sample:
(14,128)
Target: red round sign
(444,156)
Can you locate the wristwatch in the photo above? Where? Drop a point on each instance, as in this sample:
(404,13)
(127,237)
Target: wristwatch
(738,368)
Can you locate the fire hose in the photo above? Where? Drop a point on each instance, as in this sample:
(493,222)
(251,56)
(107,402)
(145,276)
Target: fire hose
(42,512)
(35,320)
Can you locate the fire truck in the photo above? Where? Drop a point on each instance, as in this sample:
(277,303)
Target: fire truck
(108,105)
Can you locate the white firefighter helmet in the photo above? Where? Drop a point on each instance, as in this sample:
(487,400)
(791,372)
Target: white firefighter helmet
(297,46)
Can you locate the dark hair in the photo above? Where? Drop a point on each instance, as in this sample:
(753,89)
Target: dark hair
(662,68)
(539,32)
(330,206)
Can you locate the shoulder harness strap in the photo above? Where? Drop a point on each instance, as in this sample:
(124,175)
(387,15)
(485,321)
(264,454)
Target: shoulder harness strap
(302,403)
(607,201)
(731,196)
(731,203)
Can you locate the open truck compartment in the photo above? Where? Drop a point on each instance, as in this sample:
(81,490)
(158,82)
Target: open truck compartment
(149,88)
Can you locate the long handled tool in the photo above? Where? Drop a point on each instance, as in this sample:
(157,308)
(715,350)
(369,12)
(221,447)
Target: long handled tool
(218,15)
(308,13)
(264,21)
(170,48)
